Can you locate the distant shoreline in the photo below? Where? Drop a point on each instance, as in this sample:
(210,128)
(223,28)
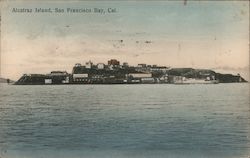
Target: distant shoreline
(5,80)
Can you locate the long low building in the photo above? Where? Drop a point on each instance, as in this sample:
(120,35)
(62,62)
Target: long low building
(140,75)
(80,75)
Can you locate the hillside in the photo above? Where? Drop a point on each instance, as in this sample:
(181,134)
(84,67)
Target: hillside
(203,73)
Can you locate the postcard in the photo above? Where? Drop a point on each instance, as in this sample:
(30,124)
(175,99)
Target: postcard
(124,79)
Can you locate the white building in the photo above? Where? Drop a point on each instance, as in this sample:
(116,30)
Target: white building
(100,66)
(78,65)
(66,80)
(140,75)
(111,67)
(89,65)
(147,80)
(79,77)
(48,81)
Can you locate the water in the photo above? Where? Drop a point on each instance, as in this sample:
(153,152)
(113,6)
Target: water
(121,121)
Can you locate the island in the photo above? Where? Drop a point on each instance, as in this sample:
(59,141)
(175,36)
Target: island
(115,73)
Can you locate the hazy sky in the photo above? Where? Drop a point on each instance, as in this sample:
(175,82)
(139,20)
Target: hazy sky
(205,34)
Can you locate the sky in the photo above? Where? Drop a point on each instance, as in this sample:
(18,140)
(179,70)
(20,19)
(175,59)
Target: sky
(199,34)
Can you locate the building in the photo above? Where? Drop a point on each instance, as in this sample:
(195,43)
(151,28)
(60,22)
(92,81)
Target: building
(113,62)
(159,68)
(125,64)
(89,65)
(100,66)
(78,65)
(140,75)
(80,77)
(47,81)
(57,77)
(148,80)
(58,73)
(142,65)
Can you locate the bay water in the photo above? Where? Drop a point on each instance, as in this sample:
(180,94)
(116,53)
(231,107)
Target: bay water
(123,121)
